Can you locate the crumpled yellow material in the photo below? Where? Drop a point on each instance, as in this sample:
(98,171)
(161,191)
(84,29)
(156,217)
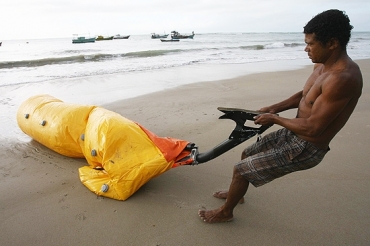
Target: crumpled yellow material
(122,155)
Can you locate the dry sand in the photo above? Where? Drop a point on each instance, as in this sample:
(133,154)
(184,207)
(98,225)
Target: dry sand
(43,202)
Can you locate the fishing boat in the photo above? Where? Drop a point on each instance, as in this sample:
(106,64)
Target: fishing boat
(177,35)
(81,40)
(121,37)
(170,40)
(156,36)
(100,38)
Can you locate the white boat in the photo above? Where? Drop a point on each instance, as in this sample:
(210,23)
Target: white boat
(155,36)
(121,37)
(177,35)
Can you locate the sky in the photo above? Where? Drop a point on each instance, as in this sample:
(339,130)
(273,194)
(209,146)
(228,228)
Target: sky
(28,19)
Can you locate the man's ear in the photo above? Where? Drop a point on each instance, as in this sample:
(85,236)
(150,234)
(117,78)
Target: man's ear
(333,43)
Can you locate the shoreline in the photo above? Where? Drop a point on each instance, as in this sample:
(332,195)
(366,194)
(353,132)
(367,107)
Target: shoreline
(102,90)
(163,79)
(44,203)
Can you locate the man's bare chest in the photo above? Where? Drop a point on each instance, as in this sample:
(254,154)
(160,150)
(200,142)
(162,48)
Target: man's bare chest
(312,89)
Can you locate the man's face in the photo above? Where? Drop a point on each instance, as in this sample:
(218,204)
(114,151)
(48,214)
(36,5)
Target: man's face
(316,51)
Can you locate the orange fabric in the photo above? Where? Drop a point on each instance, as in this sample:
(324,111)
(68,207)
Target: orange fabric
(171,148)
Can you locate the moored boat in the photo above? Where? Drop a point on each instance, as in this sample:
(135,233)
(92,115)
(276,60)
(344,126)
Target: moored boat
(121,37)
(81,40)
(170,40)
(177,35)
(100,38)
(156,36)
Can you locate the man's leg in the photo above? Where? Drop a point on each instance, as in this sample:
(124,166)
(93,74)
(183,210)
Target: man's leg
(238,188)
(222,194)
(239,184)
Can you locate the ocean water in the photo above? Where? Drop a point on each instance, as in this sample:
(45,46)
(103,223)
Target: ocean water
(35,61)
(139,65)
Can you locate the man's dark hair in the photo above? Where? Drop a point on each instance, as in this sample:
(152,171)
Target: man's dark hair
(330,24)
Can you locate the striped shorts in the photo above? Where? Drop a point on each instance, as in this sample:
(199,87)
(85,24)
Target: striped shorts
(277,154)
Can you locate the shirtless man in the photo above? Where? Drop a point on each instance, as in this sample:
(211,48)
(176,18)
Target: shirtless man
(324,105)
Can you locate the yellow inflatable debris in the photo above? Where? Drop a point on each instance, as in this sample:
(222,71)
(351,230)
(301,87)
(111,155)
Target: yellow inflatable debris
(122,155)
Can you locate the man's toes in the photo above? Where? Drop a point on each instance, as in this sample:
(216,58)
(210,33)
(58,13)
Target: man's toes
(201,213)
(220,194)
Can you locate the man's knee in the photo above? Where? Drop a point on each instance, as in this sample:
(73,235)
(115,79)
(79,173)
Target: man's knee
(237,176)
(236,171)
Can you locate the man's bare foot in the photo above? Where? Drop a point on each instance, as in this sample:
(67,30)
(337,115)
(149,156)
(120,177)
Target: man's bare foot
(223,195)
(214,216)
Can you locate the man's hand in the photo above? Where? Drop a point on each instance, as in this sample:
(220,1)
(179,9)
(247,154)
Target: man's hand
(267,110)
(266,119)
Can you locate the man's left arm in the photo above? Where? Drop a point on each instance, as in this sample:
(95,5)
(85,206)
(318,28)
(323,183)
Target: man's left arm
(336,94)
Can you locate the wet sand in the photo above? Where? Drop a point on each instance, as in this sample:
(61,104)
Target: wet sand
(44,203)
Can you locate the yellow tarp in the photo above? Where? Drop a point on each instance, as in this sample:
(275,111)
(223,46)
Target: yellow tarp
(122,155)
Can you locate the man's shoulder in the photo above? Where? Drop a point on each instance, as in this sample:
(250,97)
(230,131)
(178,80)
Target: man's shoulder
(345,71)
(345,79)
(350,73)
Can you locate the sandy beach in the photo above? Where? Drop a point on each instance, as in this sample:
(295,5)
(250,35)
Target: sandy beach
(44,203)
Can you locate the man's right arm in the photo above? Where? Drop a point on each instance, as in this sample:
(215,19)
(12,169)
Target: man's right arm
(291,102)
